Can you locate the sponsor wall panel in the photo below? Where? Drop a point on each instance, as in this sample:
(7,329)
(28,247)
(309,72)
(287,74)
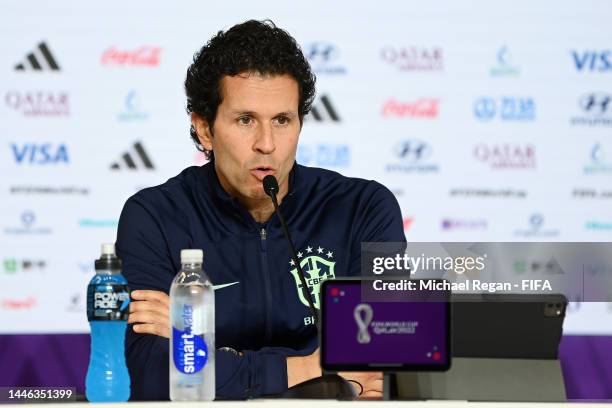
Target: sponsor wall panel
(488,123)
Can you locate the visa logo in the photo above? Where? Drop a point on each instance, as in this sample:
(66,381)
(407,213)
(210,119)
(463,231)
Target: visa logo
(43,154)
(593,60)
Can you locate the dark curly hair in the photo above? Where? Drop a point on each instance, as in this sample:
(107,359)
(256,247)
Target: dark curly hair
(253,46)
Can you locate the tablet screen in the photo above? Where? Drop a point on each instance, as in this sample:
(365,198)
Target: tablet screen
(378,335)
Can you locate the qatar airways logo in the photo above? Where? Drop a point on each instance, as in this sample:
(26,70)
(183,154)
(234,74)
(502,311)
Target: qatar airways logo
(422,108)
(38,103)
(506,155)
(414,58)
(144,56)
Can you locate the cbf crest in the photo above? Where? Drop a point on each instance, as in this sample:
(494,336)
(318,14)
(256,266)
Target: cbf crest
(318,265)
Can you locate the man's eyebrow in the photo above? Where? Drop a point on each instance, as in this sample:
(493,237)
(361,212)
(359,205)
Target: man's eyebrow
(286,113)
(243,112)
(240,112)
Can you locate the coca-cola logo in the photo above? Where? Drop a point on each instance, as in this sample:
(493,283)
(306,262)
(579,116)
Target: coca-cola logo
(145,56)
(427,108)
(414,58)
(38,103)
(19,304)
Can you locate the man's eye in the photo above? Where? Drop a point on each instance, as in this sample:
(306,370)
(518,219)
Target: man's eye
(282,120)
(244,120)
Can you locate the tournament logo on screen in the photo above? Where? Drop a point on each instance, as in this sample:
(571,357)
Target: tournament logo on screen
(367,326)
(363,316)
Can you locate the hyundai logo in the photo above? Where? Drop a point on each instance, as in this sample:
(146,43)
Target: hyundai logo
(321,52)
(413,150)
(596,103)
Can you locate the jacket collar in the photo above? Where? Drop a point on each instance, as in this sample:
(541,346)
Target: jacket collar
(226,203)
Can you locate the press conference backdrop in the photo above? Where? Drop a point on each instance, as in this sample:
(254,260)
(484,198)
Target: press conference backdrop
(489,121)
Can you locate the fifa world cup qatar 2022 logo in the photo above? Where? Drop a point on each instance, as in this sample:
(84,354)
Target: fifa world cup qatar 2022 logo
(363,314)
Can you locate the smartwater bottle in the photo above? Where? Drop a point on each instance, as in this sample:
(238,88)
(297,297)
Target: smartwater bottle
(108,298)
(192,338)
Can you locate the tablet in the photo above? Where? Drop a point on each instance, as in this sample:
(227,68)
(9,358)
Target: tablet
(508,325)
(359,334)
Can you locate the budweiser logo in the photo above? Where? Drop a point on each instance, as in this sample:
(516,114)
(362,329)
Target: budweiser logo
(142,56)
(421,108)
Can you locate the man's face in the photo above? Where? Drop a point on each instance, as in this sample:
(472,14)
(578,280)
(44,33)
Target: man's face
(255,132)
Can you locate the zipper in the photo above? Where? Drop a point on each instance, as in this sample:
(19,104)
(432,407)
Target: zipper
(262,236)
(268,291)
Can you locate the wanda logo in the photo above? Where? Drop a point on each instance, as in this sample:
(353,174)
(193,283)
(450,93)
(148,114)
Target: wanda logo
(427,108)
(144,56)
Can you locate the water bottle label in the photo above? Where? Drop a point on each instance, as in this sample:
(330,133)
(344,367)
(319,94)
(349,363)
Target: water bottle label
(107,302)
(189,350)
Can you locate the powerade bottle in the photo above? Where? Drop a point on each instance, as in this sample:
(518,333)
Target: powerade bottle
(192,339)
(108,298)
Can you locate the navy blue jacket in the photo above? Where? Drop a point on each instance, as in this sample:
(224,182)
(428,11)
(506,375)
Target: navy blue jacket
(259,309)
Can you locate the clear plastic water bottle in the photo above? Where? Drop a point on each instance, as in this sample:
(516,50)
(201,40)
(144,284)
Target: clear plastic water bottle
(108,298)
(192,338)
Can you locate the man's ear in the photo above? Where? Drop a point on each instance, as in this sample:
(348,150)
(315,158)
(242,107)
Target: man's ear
(203,130)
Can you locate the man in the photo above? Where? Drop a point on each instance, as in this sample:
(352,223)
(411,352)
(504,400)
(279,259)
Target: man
(248,91)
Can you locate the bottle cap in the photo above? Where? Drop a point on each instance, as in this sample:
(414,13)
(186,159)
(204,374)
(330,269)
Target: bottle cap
(108,249)
(192,256)
(108,260)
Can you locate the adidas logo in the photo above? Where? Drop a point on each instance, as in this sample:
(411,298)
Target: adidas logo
(127,160)
(323,111)
(35,60)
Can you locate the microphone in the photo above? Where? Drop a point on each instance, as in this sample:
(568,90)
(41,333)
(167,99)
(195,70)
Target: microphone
(327,385)
(270,186)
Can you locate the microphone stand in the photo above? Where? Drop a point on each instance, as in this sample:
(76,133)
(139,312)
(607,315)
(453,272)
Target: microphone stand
(327,386)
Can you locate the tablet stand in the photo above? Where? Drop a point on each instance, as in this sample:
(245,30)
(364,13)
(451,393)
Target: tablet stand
(486,379)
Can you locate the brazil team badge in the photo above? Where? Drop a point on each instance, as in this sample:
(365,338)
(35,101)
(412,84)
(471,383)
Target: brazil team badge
(318,265)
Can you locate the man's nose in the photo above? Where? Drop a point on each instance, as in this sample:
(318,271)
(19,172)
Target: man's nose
(264,143)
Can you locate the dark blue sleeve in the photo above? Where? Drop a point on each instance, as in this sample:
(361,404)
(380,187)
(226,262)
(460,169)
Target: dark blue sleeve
(142,246)
(379,219)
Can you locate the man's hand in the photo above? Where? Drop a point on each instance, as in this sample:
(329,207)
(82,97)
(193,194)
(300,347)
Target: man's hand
(372,383)
(150,312)
(300,369)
